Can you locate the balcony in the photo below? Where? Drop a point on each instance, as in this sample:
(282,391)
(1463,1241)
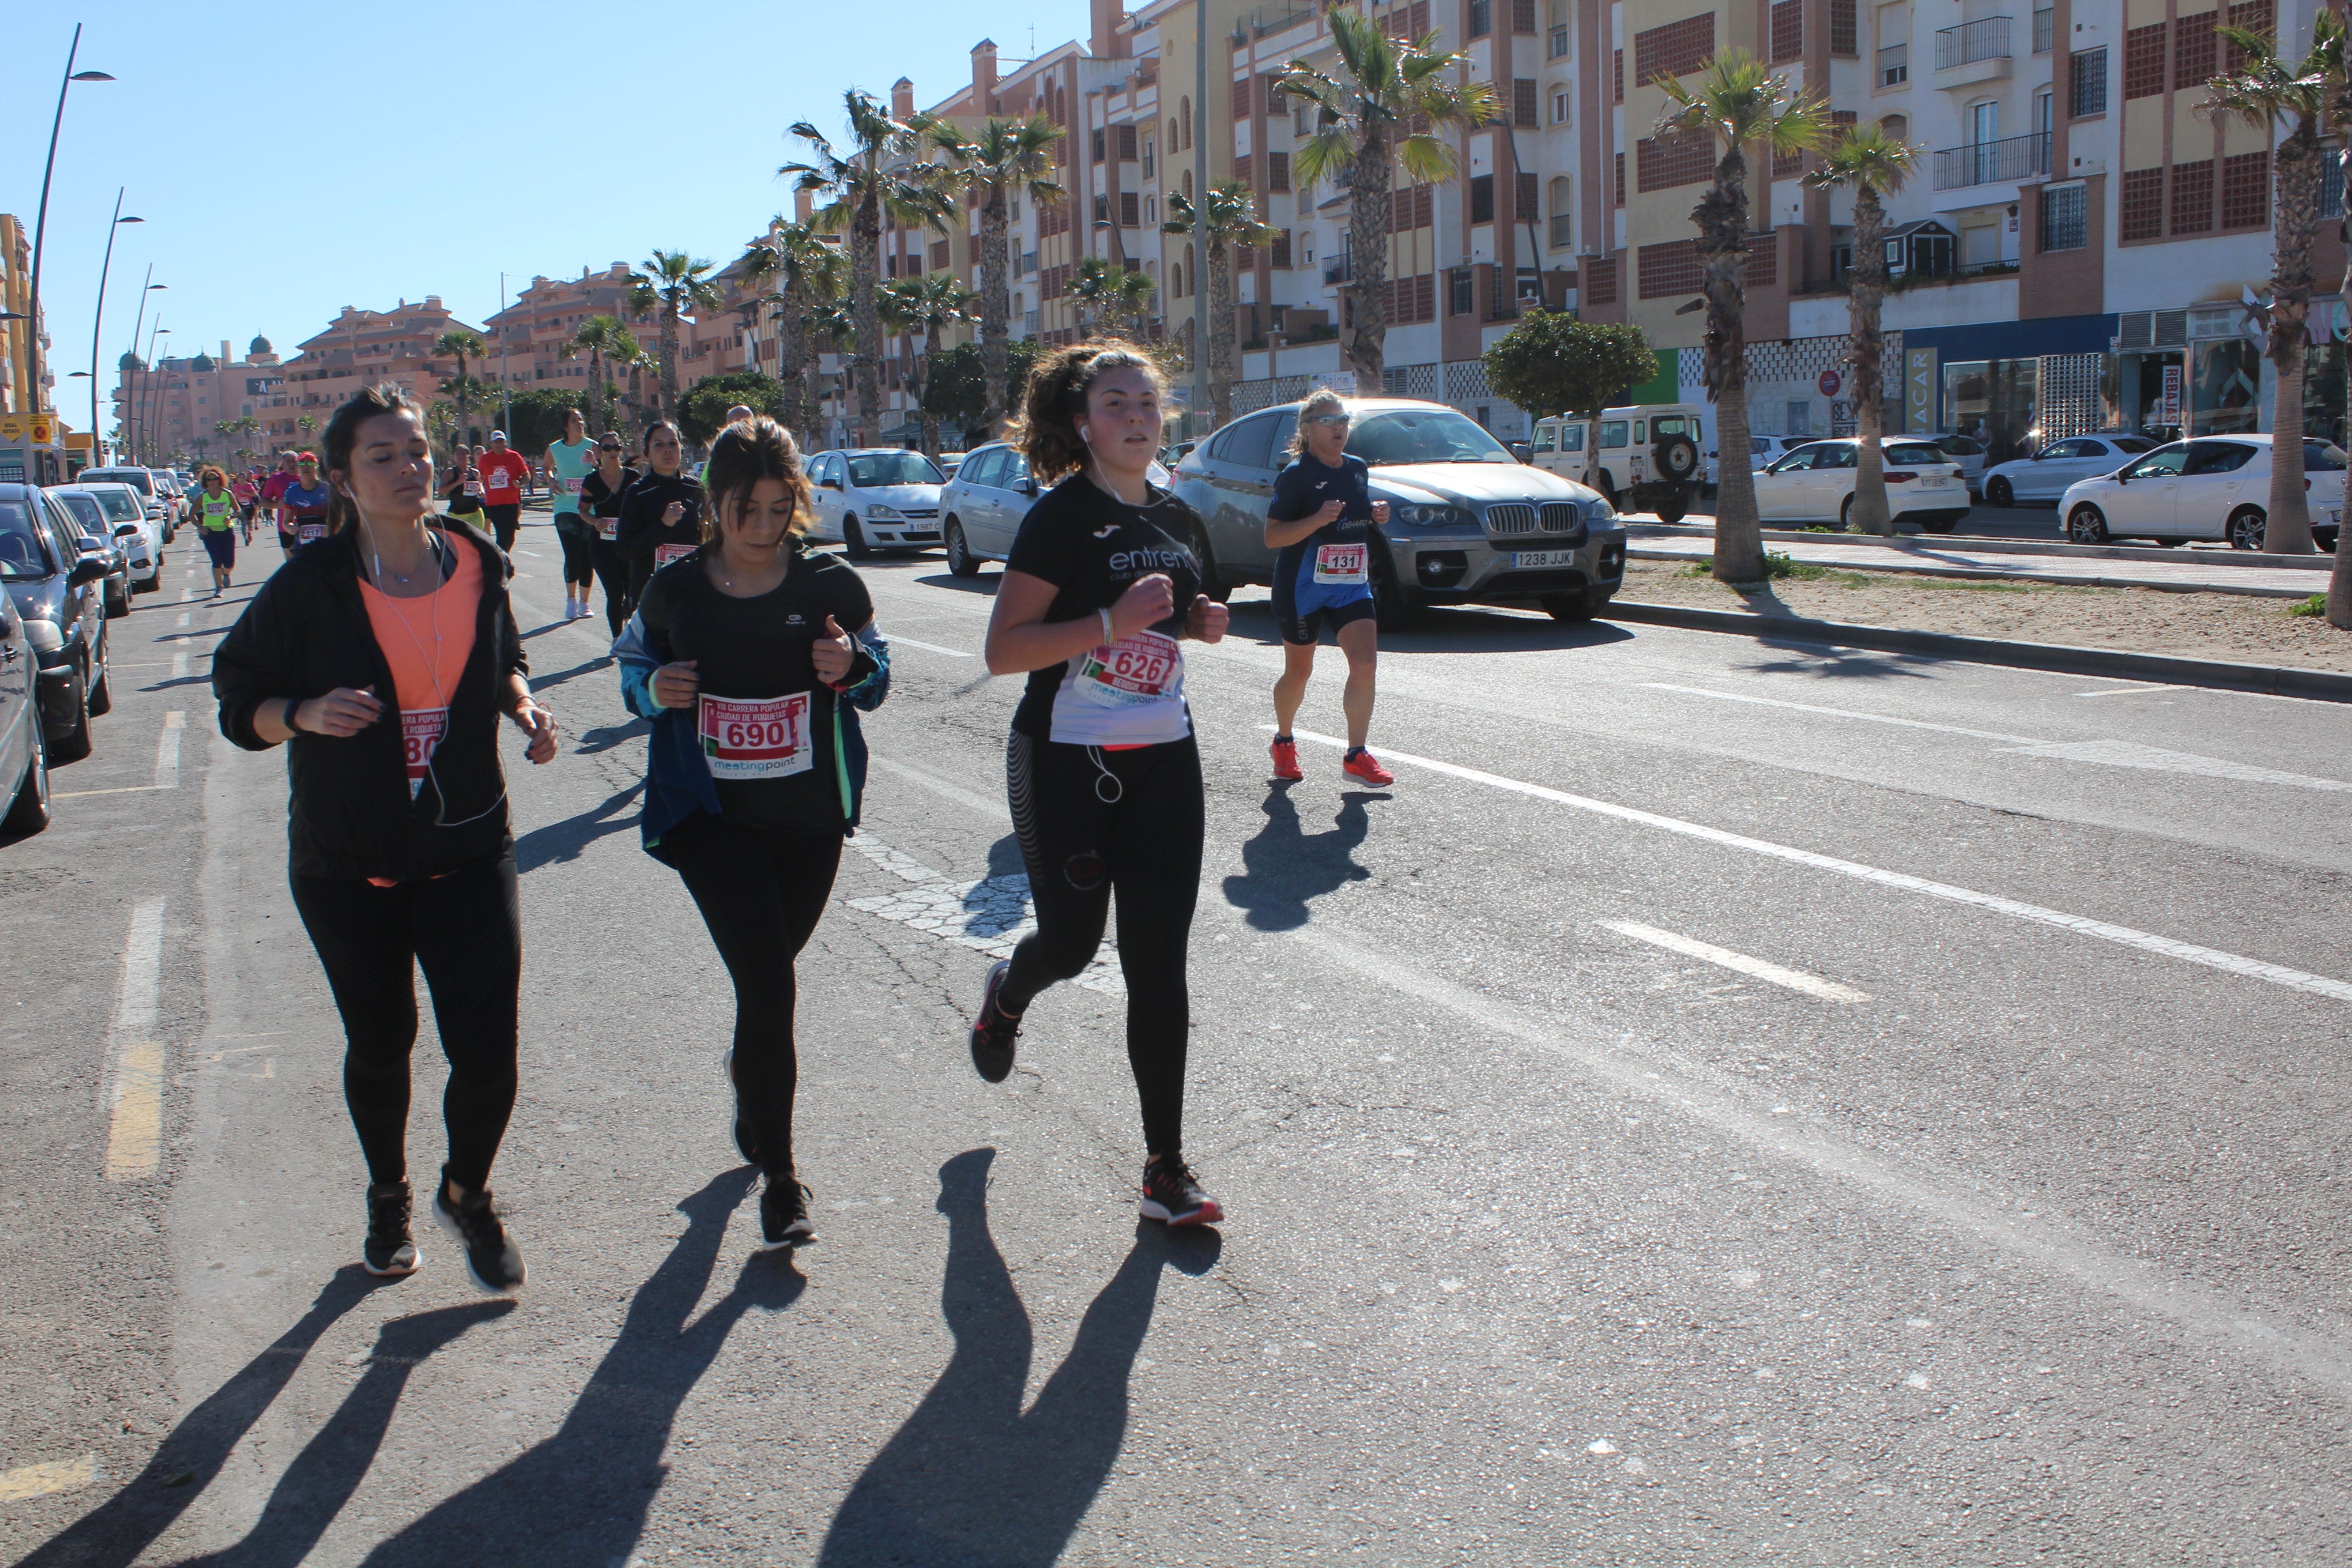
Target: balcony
(2045,29)
(2012,158)
(1973,52)
(1340,268)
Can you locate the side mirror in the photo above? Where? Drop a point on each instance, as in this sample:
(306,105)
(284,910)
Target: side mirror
(828,484)
(122,528)
(89,569)
(2123,476)
(1523,452)
(1027,486)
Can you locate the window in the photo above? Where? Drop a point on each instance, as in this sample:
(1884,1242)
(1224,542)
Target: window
(1617,77)
(2087,83)
(1130,210)
(1481,18)
(1126,145)
(2217,458)
(1242,97)
(1560,106)
(1621,179)
(1547,437)
(1245,444)
(2192,197)
(1523,102)
(1242,169)
(1096,144)
(1788,31)
(1184,110)
(1461,297)
(1613,434)
(1666,270)
(2246,191)
(1895,65)
(1148,164)
(1482,198)
(2065,217)
(1660,165)
(1562,212)
(1844,29)
(1571,438)
(1523,18)
(1896,126)
(2144,61)
(1278,171)
(2194,54)
(1523,193)
(1600,275)
(1280,250)
(1677,48)
(2141,212)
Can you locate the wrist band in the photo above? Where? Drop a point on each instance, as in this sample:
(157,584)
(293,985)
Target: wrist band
(1109,636)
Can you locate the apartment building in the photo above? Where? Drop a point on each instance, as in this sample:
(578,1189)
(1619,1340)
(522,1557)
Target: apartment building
(524,338)
(177,404)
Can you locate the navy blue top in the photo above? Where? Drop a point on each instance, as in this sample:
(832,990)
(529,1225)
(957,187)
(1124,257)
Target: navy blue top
(1300,491)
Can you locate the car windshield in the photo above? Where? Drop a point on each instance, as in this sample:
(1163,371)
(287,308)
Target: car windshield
(115,504)
(1916,452)
(1423,436)
(20,542)
(2323,458)
(2131,443)
(85,510)
(137,481)
(893,468)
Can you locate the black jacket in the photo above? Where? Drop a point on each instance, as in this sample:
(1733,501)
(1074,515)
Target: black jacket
(307,633)
(639,528)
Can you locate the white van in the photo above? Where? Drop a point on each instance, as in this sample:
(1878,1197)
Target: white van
(1647,457)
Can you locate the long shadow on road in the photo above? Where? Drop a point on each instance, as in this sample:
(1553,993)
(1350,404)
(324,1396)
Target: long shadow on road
(582,1496)
(1283,869)
(566,839)
(972,1478)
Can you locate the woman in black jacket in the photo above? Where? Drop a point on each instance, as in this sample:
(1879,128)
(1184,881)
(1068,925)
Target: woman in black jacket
(385,654)
(661,514)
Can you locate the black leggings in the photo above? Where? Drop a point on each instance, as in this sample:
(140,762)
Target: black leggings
(761,891)
(613,572)
(577,567)
(1146,843)
(503,519)
(465,931)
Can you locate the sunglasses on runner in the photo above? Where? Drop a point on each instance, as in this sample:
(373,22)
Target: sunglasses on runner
(603,448)
(1331,419)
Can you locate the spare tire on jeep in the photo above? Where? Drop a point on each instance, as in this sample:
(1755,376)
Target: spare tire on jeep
(1674,458)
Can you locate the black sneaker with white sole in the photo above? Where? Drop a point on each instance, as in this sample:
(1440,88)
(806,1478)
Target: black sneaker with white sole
(747,1142)
(492,1260)
(388,1250)
(784,1216)
(1173,1195)
(995,1031)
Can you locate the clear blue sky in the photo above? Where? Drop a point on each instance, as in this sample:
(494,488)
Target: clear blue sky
(293,159)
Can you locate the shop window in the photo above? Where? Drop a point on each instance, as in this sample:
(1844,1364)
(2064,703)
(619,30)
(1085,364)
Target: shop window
(2225,379)
(1993,401)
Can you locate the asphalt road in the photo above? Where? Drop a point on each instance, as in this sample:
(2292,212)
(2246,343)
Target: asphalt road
(2037,522)
(1727,1103)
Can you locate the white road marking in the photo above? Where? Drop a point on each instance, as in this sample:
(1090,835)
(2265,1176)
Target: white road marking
(135,1094)
(167,750)
(1794,979)
(534,555)
(990,916)
(2109,753)
(186,594)
(987,807)
(179,665)
(897,641)
(2145,941)
(40,1480)
(184,617)
(2130,691)
(85,794)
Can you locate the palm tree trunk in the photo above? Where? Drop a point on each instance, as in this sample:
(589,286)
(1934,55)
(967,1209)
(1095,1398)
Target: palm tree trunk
(921,383)
(1722,219)
(1367,248)
(865,316)
(670,359)
(2288,528)
(792,362)
(1866,288)
(1219,339)
(995,313)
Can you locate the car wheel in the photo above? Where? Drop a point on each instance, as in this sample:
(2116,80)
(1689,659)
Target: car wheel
(2246,527)
(2170,543)
(1998,493)
(1936,524)
(1213,582)
(962,562)
(29,810)
(1608,490)
(1574,609)
(118,599)
(2325,539)
(74,744)
(2087,525)
(1845,516)
(101,696)
(853,540)
(1676,507)
(1392,610)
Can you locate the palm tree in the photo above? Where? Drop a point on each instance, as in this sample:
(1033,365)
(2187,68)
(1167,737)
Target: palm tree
(832,327)
(1117,297)
(669,284)
(600,338)
(1363,129)
(1874,164)
(1008,160)
(307,424)
(468,392)
(926,306)
(1739,103)
(874,179)
(799,270)
(459,344)
(2262,91)
(1225,217)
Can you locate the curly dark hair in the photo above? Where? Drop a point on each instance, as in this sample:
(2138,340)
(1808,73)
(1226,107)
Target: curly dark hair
(1055,399)
(343,433)
(745,453)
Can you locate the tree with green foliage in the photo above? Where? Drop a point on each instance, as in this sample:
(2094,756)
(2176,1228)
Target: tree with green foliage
(799,271)
(703,412)
(1225,217)
(1553,363)
(1008,160)
(956,388)
(1874,164)
(601,337)
(923,308)
(462,389)
(1112,298)
(535,416)
(670,284)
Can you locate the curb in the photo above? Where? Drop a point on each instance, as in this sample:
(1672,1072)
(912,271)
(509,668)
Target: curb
(1924,543)
(2005,574)
(2317,685)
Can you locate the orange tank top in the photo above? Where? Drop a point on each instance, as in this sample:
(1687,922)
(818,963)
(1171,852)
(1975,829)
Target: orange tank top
(426,641)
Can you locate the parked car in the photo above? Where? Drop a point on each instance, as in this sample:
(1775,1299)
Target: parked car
(1648,457)
(1815,484)
(24,749)
(1468,523)
(1763,451)
(872,498)
(163,507)
(2216,487)
(98,538)
(2045,475)
(949,462)
(1965,450)
(982,507)
(56,589)
(127,518)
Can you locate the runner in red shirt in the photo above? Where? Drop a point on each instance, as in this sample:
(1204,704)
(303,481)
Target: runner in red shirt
(273,499)
(504,473)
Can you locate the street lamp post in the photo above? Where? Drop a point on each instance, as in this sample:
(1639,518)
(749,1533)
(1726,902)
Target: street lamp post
(130,420)
(149,402)
(41,217)
(99,321)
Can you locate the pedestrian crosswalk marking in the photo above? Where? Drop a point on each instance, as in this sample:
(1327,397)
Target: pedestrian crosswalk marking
(989,916)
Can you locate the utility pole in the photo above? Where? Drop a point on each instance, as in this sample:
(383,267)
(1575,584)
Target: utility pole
(506,394)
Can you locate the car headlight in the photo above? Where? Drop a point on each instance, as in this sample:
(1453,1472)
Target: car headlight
(880,514)
(44,634)
(1598,510)
(1426,514)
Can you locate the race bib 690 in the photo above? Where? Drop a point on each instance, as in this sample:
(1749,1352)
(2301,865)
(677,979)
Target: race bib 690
(755,737)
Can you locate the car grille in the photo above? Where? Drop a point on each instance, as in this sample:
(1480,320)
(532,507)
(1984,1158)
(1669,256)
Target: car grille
(1512,520)
(1509,521)
(918,512)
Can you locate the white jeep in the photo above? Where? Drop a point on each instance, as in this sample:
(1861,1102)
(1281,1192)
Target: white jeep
(1644,459)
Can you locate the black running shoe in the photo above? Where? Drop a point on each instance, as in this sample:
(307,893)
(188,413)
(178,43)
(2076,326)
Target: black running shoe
(995,1032)
(491,1257)
(1173,1195)
(388,1250)
(747,1142)
(784,1216)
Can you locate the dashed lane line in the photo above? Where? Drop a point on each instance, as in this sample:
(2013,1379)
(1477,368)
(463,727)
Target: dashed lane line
(2125,936)
(897,641)
(167,750)
(1740,963)
(135,1094)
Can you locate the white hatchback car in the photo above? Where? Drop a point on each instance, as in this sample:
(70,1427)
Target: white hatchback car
(2044,476)
(880,498)
(1815,484)
(125,509)
(2215,487)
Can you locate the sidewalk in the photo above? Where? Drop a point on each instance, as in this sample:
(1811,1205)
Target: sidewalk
(2174,571)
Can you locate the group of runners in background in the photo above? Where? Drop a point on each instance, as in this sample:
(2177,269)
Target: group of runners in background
(751,657)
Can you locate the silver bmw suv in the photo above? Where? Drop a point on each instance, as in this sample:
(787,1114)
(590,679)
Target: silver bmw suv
(1468,523)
